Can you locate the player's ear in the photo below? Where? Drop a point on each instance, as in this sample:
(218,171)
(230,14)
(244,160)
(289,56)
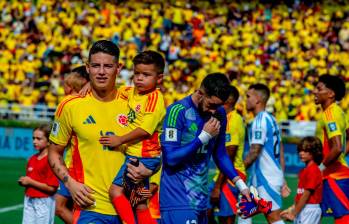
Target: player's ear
(160,78)
(200,92)
(120,66)
(87,67)
(331,94)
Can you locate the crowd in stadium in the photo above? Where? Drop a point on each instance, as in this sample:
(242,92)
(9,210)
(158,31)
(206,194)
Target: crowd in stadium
(285,46)
(282,58)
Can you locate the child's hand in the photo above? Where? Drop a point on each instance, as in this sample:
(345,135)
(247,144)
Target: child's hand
(111,141)
(24,181)
(288,214)
(85,89)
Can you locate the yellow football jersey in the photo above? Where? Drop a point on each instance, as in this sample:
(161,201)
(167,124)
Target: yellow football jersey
(235,135)
(146,112)
(85,120)
(333,123)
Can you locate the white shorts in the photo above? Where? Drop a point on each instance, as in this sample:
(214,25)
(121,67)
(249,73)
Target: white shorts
(311,213)
(273,195)
(38,210)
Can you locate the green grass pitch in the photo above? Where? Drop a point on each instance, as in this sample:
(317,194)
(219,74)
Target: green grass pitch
(12,194)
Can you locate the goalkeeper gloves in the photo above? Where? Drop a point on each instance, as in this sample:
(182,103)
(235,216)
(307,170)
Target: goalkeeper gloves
(257,205)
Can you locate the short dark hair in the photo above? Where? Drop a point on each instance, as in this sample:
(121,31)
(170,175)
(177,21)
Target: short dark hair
(81,70)
(234,93)
(216,84)
(313,146)
(334,83)
(104,46)
(150,57)
(263,89)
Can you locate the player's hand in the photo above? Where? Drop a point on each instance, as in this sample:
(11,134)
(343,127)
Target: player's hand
(137,173)
(24,181)
(85,89)
(111,141)
(247,194)
(285,190)
(257,205)
(81,194)
(214,197)
(212,126)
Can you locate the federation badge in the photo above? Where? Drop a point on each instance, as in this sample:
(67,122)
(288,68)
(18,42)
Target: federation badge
(122,119)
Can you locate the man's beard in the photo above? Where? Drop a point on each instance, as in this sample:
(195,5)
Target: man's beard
(205,114)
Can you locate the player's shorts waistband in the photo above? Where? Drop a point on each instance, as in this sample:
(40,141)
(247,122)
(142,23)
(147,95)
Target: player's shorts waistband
(312,206)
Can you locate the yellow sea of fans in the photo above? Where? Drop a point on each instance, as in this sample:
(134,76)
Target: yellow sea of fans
(284,46)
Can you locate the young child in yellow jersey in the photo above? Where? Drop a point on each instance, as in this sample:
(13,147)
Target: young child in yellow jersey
(73,83)
(144,118)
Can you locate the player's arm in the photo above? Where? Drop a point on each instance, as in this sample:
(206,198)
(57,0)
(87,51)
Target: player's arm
(174,153)
(81,194)
(282,158)
(335,150)
(135,135)
(29,182)
(257,141)
(334,136)
(285,190)
(224,163)
(252,155)
(231,150)
(59,137)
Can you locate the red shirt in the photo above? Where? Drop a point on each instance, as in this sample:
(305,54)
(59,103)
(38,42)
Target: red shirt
(310,178)
(40,170)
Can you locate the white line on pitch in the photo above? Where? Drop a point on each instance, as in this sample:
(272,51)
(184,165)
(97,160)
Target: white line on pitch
(11,208)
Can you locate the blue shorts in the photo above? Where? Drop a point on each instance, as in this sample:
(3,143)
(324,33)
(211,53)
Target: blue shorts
(331,204)
(150,163)
(62,190)
(97,218)
(184,216)
(225,208)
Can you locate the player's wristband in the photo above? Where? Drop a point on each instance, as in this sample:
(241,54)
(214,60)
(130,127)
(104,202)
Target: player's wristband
(204,137)
(322,167)
(240,184)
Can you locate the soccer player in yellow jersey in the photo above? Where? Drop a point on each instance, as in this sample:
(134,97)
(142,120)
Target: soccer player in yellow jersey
(331,129)
(223,194)
(73,83)
(85,120)
(146,110)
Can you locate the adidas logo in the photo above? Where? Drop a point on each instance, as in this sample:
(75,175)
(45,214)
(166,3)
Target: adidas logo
(89,120)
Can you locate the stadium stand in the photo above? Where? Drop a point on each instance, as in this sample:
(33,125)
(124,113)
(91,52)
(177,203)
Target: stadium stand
(286,45)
